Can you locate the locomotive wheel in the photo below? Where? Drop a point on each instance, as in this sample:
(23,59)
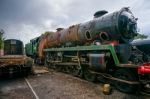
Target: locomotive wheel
(77,71)
(89,76)
(125,75)
(27,70)
(46,63)
(69,69)
(52,66)
(58,68)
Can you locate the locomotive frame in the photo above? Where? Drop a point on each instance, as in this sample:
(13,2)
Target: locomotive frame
(82,69)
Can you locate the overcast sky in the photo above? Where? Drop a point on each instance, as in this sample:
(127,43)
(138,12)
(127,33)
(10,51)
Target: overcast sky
(26,19)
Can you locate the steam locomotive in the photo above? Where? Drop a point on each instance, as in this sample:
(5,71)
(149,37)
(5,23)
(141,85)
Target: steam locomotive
(97,48)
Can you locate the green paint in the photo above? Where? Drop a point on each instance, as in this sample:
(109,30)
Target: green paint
(28,48)
(2,44)
(89,48)
(1,40)
(32,47)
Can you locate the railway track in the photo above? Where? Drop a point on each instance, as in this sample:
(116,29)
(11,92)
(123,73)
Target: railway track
(31,88)
(57,85)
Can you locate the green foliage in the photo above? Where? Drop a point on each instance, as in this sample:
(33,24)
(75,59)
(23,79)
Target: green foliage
(141,36)
(1,39)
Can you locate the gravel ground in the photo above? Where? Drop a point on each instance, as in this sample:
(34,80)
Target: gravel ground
(56,85)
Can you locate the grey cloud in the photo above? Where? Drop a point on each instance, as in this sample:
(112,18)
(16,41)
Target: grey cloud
(29,18)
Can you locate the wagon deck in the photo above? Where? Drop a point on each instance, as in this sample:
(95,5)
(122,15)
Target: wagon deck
(12,60)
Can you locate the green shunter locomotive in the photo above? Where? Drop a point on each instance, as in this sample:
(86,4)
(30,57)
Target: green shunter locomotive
(98,48)
(31,48)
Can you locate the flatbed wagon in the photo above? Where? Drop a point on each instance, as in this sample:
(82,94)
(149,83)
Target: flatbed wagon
(14,61)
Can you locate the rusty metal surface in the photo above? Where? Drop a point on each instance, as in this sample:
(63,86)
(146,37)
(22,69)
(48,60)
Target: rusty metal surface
(54,39)
(12,60)
(1,52)
(105,29)
(69,35)
(108,76)
(48,40)
(12,56)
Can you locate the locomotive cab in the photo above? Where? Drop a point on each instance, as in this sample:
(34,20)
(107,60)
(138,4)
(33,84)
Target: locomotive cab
(13,47)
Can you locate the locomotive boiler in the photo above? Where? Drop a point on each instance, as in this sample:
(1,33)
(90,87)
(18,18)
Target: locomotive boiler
(97,48)
(119,26)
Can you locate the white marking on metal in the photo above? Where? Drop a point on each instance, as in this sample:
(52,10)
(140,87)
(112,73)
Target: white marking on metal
(31,88)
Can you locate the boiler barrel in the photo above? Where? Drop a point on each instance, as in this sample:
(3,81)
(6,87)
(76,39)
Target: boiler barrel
(119,25)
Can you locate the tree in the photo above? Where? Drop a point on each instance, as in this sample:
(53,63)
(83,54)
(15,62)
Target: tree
(141,36)
(1,38)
